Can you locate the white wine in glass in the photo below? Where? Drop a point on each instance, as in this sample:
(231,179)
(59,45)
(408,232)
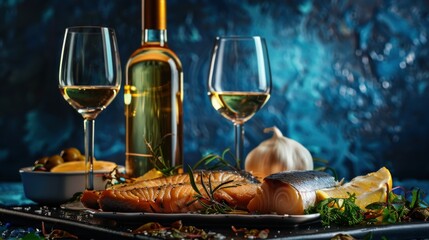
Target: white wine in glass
(238,106)
(89,79)
(89,100)
(239,81)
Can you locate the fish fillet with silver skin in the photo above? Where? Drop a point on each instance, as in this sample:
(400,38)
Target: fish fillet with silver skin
(289,192)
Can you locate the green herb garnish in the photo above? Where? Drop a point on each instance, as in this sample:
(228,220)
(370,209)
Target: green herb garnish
(158,160)
(214,161)
(210,161)
(339,211)
(206,197)
(397,208)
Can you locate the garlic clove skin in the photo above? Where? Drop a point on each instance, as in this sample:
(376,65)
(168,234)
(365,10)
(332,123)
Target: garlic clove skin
(277,154)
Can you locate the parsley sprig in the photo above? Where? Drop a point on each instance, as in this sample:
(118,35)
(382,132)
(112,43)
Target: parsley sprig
(400,207)
(339,211)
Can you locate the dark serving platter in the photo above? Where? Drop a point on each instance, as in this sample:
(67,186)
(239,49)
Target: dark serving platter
(85,225)
(16,209)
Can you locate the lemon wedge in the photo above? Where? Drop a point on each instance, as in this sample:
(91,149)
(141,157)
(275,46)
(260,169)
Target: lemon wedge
(151,174)
(79,166)
(369,188)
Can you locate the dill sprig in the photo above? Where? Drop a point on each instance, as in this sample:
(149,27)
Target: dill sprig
(206,197)
(214,161)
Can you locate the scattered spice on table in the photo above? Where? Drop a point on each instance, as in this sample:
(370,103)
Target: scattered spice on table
(179,231)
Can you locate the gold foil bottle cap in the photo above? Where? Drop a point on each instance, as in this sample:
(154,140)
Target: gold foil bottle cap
(154,14)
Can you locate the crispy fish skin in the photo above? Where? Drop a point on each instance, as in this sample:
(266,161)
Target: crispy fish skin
(289,192)
(90,198)
(215,176)
(173,198)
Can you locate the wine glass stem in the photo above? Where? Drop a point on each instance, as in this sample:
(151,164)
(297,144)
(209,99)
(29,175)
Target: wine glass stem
(89,125)
(239,139)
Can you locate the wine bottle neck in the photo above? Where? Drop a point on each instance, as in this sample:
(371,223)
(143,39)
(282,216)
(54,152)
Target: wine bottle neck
(154,36)
(154,22)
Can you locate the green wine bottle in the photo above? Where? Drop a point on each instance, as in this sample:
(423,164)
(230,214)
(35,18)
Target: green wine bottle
(153,96)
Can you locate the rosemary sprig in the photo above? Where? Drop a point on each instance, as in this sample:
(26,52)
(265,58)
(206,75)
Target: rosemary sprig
(158,160)
(209,162)
(214,161)
(206,197)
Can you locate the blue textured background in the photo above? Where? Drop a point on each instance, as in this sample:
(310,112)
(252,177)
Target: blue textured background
(350,78)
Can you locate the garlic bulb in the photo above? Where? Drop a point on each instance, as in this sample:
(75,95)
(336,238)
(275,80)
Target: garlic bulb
(277,154)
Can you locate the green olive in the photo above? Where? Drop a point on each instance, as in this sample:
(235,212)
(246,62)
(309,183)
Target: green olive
(53,161)
(41,161)
(39,168)
(70,154)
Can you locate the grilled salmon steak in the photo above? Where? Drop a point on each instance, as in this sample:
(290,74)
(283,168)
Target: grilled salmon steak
(289,192)
(174,198)
(90,199)
(215,176)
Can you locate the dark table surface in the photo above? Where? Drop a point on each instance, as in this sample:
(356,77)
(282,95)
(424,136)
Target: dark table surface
(19,211)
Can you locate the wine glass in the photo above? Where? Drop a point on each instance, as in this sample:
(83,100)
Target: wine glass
(239,82)
(89,79)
